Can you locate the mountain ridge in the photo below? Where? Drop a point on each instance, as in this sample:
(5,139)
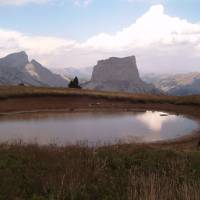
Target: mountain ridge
(16,69)
(176,84)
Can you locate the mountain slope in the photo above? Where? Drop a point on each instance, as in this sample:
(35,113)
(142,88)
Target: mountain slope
(178,84)
(16,69)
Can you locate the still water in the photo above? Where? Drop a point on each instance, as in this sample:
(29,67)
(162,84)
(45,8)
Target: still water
(101,128)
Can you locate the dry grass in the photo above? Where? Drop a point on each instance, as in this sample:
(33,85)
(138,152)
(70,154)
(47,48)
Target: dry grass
(117,172)
(21,91)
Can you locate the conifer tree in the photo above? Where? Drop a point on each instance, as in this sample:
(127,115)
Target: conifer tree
(74,83)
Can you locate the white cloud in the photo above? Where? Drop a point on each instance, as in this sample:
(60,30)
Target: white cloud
(161,43)
(153,27)
(147,1)
(21,2)
(82,2)
(36,46)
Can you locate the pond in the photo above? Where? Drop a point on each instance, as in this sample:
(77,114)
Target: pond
(94,127)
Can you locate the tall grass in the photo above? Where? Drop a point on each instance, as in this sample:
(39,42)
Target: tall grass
(115,172)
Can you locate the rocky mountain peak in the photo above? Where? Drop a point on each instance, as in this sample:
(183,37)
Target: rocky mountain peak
(18,59)
(118,74)
(116,69)
(16,69)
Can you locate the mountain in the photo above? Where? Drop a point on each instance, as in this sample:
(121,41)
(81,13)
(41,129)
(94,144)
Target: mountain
(16,69)
(178,84)
(83,74)
(118,74)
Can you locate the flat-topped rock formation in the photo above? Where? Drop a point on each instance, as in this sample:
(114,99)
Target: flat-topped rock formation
(16,69)
(116,69)
(118,74)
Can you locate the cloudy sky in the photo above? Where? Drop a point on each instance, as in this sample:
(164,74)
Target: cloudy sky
(164,35)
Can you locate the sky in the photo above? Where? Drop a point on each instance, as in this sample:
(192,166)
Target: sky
(164,35)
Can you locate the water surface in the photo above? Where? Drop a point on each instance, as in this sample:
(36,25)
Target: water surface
(70,128)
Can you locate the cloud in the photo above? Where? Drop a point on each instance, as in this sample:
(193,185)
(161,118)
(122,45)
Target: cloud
(82,2)
(21,2)
(160,42)
(37,46)
(154,27)
(147,1)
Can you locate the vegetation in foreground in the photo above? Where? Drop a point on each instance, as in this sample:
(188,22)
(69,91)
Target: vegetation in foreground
(115,172)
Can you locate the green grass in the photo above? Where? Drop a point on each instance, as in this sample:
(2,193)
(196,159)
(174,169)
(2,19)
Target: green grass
(82,173)
(21,91)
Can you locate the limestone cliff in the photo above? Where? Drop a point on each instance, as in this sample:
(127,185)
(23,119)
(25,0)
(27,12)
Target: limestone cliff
(118,74)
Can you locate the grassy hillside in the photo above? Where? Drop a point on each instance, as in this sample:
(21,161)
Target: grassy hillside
(21,91)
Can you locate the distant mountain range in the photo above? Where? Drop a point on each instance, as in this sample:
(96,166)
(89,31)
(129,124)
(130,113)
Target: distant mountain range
(84,74)
(15,69)
(178,84)
(113,74)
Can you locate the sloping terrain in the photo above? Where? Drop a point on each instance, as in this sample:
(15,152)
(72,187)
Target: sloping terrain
(15,69)
(178,84)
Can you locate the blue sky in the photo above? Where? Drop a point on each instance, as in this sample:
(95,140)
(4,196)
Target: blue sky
(66,19)
(164,35)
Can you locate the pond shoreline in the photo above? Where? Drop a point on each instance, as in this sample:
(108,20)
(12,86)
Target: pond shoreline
(76,104)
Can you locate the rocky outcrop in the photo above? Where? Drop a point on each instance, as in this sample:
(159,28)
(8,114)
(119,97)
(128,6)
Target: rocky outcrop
(16,69)
(118,74)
